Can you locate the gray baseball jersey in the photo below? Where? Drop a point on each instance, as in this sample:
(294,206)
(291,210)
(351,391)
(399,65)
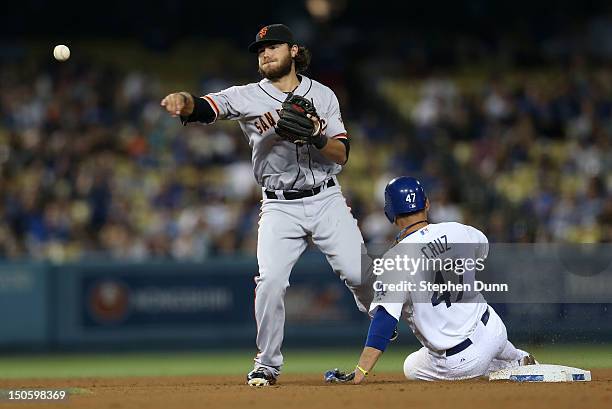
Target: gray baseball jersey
(279,164)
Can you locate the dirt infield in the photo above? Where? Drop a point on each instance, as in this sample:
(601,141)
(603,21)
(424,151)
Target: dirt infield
(294,391)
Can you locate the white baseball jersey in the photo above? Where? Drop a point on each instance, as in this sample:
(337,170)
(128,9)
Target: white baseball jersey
(443,325)
(279,164)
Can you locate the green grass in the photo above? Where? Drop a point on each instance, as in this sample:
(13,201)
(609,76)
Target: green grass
(239,362)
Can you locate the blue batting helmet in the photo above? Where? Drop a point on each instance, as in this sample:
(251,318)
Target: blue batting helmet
(404,195)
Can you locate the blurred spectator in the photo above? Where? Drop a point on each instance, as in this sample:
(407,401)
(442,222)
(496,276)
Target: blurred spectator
(89,166)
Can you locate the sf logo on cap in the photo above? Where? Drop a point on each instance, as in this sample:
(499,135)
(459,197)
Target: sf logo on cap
(262,33)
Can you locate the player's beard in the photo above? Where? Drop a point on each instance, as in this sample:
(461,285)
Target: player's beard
(283,68)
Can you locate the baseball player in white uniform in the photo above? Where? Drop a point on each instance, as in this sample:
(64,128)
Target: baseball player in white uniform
(462,336)
(299,144)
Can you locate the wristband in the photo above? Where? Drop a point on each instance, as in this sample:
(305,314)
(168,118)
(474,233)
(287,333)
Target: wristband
(363,371)
(320,142)
(202,111)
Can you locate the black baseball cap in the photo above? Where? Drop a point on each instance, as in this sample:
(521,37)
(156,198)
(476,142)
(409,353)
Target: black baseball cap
(274,33)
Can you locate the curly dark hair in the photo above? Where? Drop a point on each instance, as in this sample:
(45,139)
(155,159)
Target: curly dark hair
(302,59)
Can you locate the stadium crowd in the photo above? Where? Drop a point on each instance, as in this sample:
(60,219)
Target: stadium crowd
(542,141)
(91,167)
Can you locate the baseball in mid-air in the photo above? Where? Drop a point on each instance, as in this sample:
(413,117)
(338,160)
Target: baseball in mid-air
(61,52)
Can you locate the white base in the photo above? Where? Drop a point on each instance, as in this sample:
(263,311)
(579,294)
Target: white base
(541,373)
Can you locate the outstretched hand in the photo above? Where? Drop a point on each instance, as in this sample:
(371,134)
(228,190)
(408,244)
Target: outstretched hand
(178,104)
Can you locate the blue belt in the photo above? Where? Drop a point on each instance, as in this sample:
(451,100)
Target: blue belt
(463,345)
(300,194)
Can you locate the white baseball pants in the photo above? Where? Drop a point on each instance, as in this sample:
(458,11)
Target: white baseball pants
(490,351)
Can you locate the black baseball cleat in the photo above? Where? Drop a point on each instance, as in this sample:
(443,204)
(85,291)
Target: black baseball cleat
(394,335)
(260,377)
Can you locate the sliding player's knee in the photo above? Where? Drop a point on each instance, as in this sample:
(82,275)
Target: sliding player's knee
(410,366)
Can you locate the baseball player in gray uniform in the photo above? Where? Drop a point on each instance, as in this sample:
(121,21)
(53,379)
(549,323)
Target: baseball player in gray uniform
(299,144)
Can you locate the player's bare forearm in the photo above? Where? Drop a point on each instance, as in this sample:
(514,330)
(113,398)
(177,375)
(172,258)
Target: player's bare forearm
(335,150)
(367,360)
(178,103)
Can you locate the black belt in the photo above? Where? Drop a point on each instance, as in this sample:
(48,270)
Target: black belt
(300,194)
(463,345)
